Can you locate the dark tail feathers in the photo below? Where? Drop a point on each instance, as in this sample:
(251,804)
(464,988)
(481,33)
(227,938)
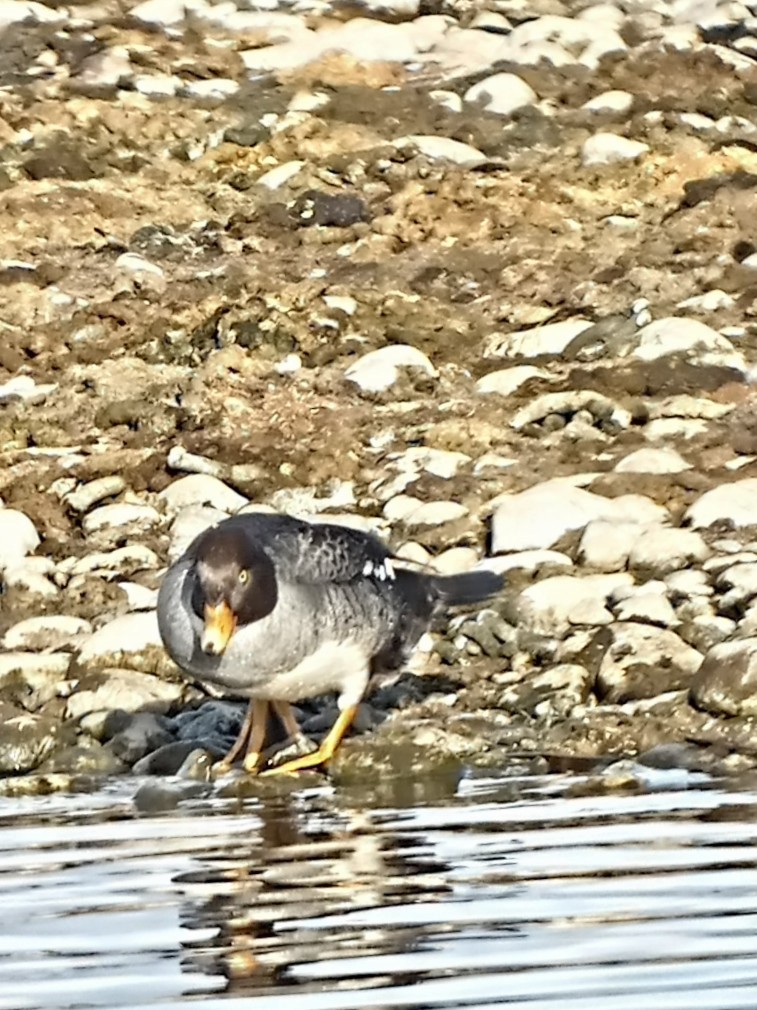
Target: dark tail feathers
(467,588)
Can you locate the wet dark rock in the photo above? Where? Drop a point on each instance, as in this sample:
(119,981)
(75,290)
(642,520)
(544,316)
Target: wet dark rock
(171,758)
(726,683)
(334,210)
(160,797)
(143,733)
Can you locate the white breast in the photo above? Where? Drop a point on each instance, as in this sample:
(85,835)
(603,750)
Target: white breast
(334,666)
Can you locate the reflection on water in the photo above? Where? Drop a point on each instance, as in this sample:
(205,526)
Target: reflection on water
(514,893)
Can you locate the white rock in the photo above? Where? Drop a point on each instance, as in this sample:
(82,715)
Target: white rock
(447,99)
(664,428)
(455,560)
(216,87)
(502,93)
(378,370)
(120,514)
(157,86)
(609,149)
(414,512)
(688,582)
(133,263)
(606,544)
(554,604)
(676,335)
(529,561)
(106,69)
(686,405)
(493,461)
(139,597)
(24,576)
(414,552)
(741,581)
(568,403)
(660,551)
(710,301)
(551,339)
(163,13)
(647,608)
(201,489)
(15,11)
(18,537)
(539,516)
(736,503)
(638,648)
(86,495)
(33,662)
(439,462)
(443,149)
(277,177)
(123,561)
(190,523)
(24,388)
(55,631)
(652,460)
(124,690)
(121,637)
(610,101)
(505,381)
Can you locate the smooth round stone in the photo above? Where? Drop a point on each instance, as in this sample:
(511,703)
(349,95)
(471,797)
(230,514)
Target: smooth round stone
(678,335)
(15,11)
(123,560)
(30,578)
(443,149)
(727,679)
(558,602)
(551,339)
(615,101)
(644,661)
(456,560)
(413,552)
(218,87)
(607,543)
(647,608)
(162,13)
(24,388)
(735,503)
(379,370)
(129,633)
(52,632)
(54,664)
(506,381)
(139,597)
(127,690)
(18,536)
(610,149)
(120,514)
(201,489)
(529,561)
(439,462)
(652,460)
(572,401)
(87,495)
(417,513)
(447,99)
(502,94)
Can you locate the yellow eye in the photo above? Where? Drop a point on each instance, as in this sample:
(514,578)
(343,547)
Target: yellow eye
(244,576)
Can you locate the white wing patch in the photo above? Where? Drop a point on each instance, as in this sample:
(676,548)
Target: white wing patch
(383,571)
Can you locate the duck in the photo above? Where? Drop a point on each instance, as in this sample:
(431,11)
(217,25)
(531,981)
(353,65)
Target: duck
(276,609)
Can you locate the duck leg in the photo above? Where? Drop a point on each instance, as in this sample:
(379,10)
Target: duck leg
(286,716)
(325,751)
(251,735)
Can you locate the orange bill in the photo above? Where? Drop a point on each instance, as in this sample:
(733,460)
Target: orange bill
(220,623)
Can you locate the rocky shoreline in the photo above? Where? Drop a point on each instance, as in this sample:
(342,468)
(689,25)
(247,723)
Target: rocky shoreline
(493,297)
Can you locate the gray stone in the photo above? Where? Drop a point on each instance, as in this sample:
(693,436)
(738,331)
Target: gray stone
(87,495)
(615,101)
(678,335)
(548,340)
(443,149)
(643,661)
(190,523)
(143,732)
(647,607)
(606,544)
(530,561)
(505,381)
(726,683)
(131,640)
(555,691)
(277,177)
(119,514)
(688,582)
(122,561)
(569,403)
(26,740)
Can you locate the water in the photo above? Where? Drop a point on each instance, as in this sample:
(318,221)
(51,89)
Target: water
(507,893)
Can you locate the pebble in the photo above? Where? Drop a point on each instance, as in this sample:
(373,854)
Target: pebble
(569,403)
(652,460)
(735,503)
(277,177)
(201,489)
(378,370)
(610,149)
(502,94)
(505,381)
(18,537)
(87,495)
(123,561)
(24,388)
(620,102)
(119,514)
(443,149)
